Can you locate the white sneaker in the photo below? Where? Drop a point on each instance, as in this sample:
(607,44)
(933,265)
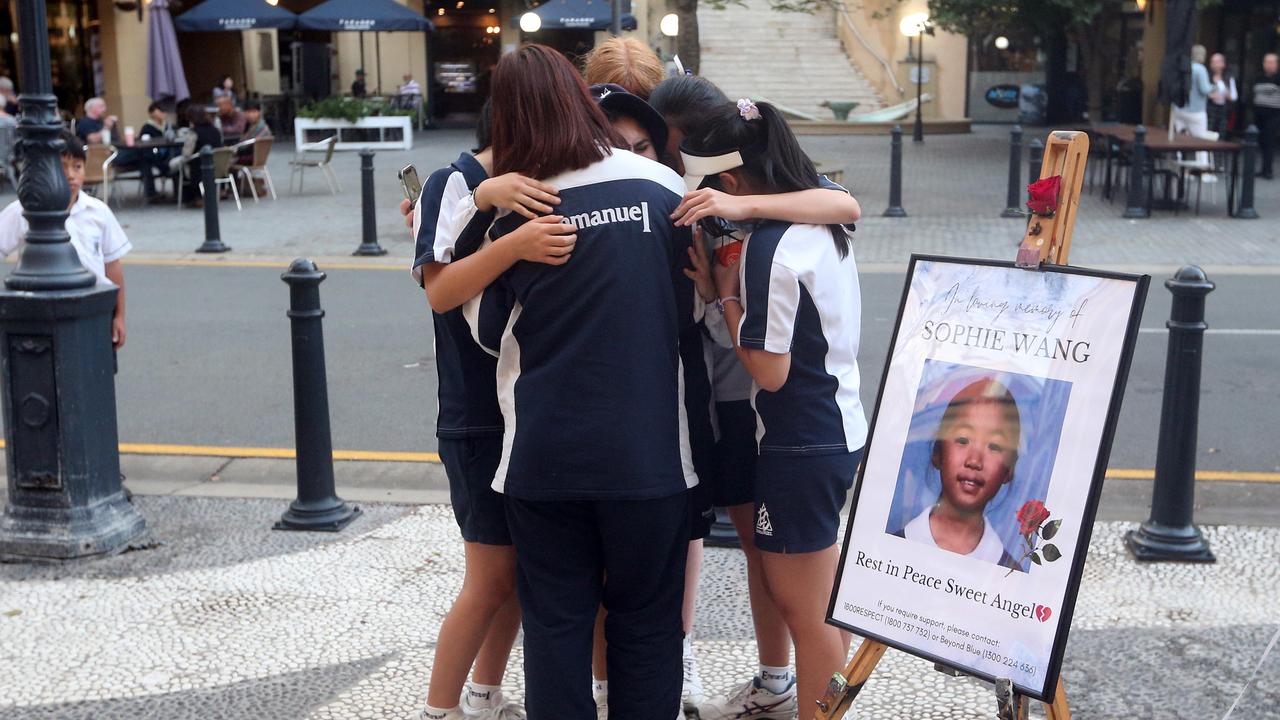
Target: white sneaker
(476,707)
(454,714)
(750,700)
(602,704)
(691,693)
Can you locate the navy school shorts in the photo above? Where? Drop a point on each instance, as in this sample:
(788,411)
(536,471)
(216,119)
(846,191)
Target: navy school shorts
(470,464)
(799,499)
(733,480)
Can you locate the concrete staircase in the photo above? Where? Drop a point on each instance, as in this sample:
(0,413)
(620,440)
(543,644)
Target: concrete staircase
(793,59)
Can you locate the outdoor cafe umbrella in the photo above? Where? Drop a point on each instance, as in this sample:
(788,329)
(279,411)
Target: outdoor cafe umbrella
(1175,69)
(217,15)
(362,16)
(166,80)
(580,14)
(234,15)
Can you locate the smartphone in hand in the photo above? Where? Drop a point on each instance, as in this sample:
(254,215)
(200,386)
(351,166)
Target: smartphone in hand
(410,183)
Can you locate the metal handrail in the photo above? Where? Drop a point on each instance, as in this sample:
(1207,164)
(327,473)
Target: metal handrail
(888,69)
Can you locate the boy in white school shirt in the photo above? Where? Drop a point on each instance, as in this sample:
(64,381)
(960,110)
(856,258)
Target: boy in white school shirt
(95,233)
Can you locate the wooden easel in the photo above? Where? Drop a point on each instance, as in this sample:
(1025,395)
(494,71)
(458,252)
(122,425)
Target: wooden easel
(1047,240)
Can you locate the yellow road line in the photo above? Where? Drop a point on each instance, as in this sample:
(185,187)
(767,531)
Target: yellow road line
(1226,475)
(273,264)
(267,453)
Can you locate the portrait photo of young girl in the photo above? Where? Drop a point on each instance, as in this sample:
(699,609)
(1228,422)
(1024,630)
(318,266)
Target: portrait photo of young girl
(981,444)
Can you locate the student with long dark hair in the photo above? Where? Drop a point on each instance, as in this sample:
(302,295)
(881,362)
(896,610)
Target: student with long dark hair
(685,102)
(793,311)
(595,467)
(478,632)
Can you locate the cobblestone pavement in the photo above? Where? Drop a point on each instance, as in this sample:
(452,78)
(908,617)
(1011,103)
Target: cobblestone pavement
(953,189)
(228,619)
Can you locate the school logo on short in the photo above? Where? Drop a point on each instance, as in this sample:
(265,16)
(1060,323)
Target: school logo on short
(763,525)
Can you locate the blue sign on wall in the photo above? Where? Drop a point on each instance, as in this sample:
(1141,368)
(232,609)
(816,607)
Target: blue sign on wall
(1003,96)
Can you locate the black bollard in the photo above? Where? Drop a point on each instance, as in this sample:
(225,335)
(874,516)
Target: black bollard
(212,240)
(1170,533)
(895,174)
(1013,203)
(1249,154)
(317,506)
(369,242)
(723,534)
(1136,206)
(1035,159)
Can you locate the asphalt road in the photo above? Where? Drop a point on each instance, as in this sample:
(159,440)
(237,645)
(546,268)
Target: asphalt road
(208,363)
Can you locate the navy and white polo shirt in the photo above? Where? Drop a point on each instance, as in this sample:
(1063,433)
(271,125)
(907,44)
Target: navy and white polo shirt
(468,393)
(801,298)
(589,372)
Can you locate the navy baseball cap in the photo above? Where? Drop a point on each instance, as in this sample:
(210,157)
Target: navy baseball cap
(615,100)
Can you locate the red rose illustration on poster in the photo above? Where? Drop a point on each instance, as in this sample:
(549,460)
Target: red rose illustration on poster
(1031,519)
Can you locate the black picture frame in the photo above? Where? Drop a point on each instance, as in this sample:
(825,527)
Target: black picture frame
(1065,615)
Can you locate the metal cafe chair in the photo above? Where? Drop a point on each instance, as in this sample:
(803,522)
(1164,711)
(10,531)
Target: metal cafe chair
(306,158)
(222,158)
(258,169)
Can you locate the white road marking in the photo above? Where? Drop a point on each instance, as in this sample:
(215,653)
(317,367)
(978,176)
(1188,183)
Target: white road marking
(1259,332)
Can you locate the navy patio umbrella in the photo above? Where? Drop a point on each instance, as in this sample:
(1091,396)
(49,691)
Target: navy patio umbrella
(166,80)
(362,16)
(580,15)
(218,15)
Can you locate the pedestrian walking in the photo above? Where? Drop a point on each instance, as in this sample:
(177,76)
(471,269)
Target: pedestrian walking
(1193,117)
(1222,100)
(1266,111)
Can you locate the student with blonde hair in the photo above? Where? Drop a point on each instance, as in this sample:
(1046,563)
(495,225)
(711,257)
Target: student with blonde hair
(627,62)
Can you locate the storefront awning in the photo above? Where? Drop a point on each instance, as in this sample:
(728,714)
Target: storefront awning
(581,15)
(216,15)
(363,16)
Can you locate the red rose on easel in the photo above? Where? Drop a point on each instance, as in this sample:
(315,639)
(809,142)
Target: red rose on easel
(1042,195)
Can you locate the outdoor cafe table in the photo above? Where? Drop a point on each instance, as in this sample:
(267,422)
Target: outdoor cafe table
(1158,142)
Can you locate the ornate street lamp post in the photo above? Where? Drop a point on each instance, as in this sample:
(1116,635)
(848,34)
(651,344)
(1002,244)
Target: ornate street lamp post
(58,385)
(916,25)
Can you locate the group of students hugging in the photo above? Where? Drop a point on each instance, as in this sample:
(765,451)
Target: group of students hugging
(613,364)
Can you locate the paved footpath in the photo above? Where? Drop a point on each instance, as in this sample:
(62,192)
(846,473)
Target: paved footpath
(224,618)
(228,619)
(953,190)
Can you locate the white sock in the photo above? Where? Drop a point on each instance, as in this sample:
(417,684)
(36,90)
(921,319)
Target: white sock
(600,687)
(688,645)
(774,679)
(482,697)
(435,713)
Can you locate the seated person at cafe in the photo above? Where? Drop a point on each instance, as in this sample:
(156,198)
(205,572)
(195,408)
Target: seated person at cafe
(230,120)
(157,125)
(358,88)
(200,133)
(89,128)
(255,128)
(154,160)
